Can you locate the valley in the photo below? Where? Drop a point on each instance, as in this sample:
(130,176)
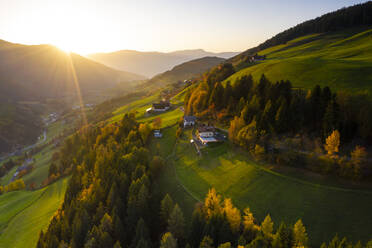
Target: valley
(266,148)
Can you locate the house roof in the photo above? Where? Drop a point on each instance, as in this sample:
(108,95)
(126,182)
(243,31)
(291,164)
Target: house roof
(161,105)
(189,118)
(206,129)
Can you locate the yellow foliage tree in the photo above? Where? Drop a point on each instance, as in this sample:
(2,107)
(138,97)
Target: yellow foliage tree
(145,131)
(299,234)
(248,220)
(212,203)
(235,126)
(359,155)
(233,215)
(267,226)
(332,143)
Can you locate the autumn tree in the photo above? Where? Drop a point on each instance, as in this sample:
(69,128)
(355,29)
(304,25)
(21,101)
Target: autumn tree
(233,215)
(267,226)
(332,143)
(235,125)
(359,155)
(212,203)
(156,123)
(300,238)
(168,241)
(145,131)
(283,237)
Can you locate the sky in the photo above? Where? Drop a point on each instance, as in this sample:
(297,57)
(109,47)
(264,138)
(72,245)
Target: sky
(90,26)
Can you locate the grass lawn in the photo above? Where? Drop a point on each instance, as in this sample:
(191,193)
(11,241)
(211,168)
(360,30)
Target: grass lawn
(340,60)
(325,210)
(23,223)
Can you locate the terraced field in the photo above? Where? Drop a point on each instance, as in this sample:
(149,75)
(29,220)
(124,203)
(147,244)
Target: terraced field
(23,214)
(340,60)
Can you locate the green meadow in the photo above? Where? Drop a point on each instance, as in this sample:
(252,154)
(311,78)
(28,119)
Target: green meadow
(340,60)
(325,210)
(23,214)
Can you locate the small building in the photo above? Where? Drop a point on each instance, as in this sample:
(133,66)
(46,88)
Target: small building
(161,106)
(157,134)
(256,57)
(206,134)
(206,131)
(189,121)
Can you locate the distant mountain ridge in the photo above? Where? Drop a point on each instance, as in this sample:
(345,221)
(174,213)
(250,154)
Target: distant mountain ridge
(44,71)
(185,71)
(152,63)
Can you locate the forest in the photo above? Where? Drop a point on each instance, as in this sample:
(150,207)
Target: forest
(110,202)
(321,130)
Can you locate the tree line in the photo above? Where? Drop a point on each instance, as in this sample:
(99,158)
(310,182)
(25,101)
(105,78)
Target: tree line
(260,114)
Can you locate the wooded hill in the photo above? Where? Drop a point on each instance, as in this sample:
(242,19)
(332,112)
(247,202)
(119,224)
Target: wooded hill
(43,71)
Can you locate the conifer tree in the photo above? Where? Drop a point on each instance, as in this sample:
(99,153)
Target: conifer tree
(300,238)
(176,223)
(168,241)
(166,208)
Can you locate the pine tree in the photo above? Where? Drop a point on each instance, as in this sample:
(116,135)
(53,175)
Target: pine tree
(176,223)
(283,237)
(142,236)
(299,234)
(197,227)
(166,208)
(281,117)
(267,226)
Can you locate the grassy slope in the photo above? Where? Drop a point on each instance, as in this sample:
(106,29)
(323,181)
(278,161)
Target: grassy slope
(168,118)
(325,210)
(42,158)
(168,183)
(41,166)
(341,60)
(23,227)
(14,202)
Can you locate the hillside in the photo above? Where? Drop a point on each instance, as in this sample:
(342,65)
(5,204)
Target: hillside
(43,71)
(152,63)
(341,60)
(185,71)
(25,213)
(333,49)
(19,124)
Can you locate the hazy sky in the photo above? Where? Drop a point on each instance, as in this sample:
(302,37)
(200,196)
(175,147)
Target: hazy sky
(87,26)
